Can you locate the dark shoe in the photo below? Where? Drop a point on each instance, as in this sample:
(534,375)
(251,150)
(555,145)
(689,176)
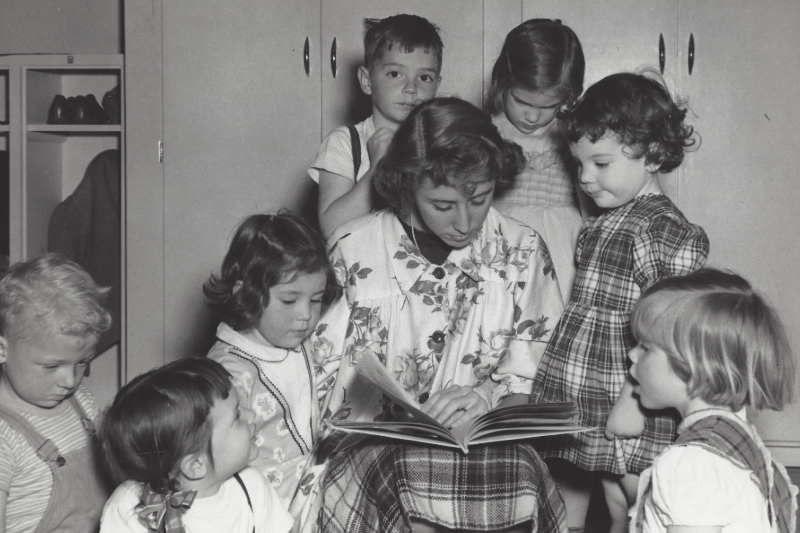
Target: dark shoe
(111,105)
(81,112)
(59,111)
(96,112)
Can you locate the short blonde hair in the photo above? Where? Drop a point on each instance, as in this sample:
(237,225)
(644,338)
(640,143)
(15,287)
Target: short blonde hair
(721,337)
(50,295)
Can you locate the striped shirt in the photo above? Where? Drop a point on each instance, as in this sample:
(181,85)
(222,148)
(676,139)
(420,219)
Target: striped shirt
(23,475)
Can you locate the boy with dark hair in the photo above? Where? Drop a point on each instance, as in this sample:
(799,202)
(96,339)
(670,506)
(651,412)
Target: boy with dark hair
(402,62)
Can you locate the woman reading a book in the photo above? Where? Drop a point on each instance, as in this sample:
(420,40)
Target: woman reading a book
(457,302)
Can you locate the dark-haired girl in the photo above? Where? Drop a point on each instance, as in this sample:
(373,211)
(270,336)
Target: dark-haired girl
(179,441)
(274,284)
(623,133)
(458,303)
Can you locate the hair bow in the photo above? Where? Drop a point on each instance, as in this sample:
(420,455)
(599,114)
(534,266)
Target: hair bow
(157,510)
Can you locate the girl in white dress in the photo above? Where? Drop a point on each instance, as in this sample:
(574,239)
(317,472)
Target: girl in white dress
(180,443)
(708,346)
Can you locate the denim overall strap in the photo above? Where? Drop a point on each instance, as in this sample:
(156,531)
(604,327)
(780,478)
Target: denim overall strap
(78,493)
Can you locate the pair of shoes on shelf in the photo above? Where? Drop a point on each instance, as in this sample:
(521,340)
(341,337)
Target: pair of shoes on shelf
(77,110)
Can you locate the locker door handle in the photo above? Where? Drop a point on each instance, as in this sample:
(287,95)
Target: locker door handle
(306,58)
(333,56)
(691,53)
(662,56)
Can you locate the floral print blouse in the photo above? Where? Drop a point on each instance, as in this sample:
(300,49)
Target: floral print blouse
(482,319)
(277,385)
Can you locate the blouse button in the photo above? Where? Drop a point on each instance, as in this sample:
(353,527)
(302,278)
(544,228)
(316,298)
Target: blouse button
(437,337)
(60,461)
(424,397)
(438,273)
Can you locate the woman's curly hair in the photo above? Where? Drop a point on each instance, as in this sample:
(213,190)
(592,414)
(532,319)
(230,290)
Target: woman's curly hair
(449,141)
(639,110)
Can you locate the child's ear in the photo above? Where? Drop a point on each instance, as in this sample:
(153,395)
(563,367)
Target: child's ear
(363,79)
(3,349)
(195,467)
(654,149)
(653,167)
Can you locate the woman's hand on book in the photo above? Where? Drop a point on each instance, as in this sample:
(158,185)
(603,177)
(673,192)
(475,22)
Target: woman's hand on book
(455,405)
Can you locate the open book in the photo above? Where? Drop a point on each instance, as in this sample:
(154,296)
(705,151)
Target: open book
(514,422)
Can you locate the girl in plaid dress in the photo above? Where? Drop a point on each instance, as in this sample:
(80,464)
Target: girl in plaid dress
(539,70)
(622,133)
(708,346)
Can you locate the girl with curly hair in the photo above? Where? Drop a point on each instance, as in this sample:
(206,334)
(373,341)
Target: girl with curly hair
(622,133)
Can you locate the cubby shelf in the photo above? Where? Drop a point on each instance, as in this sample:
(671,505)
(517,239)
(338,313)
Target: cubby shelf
(47,162)
(75,128)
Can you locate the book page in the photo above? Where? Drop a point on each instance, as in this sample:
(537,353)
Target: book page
(371,368)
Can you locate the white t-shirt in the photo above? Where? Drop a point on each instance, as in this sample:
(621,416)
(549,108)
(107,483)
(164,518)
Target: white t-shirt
(335,154)
(226,511)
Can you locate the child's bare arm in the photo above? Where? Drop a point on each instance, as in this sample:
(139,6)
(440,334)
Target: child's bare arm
(3,500)
(626,419)
(340,200)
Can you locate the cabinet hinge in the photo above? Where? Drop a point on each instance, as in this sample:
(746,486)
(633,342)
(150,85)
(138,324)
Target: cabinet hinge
(160,151)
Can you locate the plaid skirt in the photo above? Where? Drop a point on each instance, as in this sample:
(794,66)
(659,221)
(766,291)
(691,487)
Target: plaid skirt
(379,486)
(585,363)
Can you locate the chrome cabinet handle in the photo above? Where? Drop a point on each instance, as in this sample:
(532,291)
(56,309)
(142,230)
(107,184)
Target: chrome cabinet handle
(691,53)
(661,53)
(333,57)
(306,58)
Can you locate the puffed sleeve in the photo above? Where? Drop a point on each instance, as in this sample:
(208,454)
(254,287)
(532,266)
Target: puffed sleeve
(243,372)
(537,308)
(668,246)
(695,487)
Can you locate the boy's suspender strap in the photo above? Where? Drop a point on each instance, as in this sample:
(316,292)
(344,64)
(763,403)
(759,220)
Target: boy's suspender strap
(246,495)
(87,422)
(355,142)
(46,449)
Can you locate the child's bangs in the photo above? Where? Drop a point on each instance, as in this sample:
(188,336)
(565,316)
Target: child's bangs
(653,320)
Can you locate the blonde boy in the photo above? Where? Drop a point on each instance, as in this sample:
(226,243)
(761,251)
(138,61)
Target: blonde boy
(51,315)
(402,62)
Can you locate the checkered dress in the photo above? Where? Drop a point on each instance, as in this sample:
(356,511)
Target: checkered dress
(377,487)
(619,255)
(545,181)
